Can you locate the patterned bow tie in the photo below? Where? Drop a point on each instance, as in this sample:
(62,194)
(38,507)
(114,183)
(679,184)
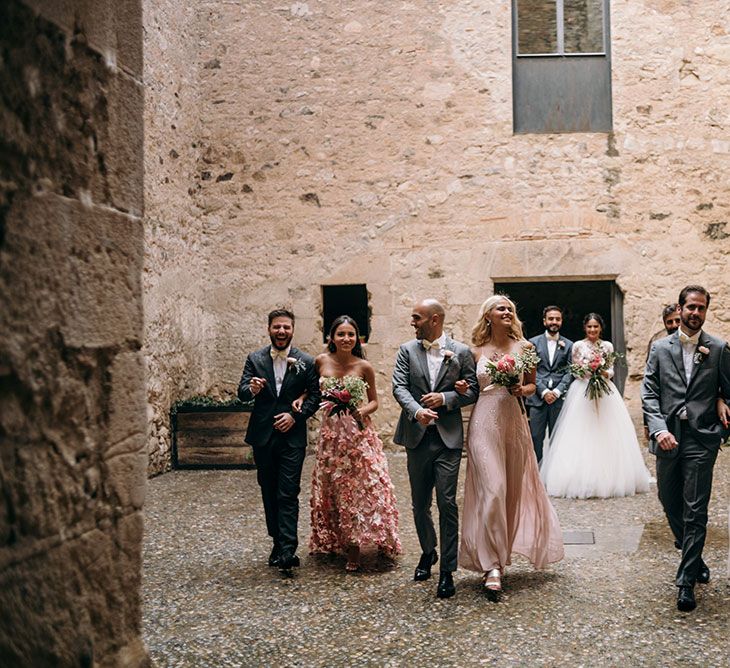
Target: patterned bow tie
(281,354)
(427,345)
(691,340)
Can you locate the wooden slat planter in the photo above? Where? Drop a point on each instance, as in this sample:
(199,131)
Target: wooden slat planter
(210,437)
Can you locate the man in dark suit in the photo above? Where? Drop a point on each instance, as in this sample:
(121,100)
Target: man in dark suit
(431,429)
(273,377)
(685,376)
(553,377)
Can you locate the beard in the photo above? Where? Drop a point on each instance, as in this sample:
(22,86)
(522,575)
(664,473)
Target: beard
(280,343)
(553,329)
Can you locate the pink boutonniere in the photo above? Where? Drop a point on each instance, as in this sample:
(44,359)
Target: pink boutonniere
(448,356)
(561,343)
(701,353)
(295,364)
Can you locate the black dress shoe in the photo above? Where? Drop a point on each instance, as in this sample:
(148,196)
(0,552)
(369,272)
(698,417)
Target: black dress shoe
(423,570)
(703,575)
(288,561)
(274,556)
(446,587)
(686,599)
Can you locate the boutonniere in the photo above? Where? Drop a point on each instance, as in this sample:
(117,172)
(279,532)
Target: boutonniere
(701,353)
(448,356)
(561,343)
(296,365)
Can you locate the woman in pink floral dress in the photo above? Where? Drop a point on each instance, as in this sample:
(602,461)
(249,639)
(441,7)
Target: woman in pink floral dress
(353,501)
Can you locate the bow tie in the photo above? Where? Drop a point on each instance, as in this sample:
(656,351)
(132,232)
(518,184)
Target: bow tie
(553,337)
(427,345)
(691,340)
(280,354)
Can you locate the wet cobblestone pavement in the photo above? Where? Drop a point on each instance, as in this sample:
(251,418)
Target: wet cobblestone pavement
(211,600)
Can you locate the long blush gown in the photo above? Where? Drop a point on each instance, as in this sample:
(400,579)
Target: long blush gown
(353,500)
(506,508)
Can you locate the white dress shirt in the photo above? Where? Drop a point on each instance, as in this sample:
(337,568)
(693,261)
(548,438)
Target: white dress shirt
(435,357)
(552,346)
(280,368)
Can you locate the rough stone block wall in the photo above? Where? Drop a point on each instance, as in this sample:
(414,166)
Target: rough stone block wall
(72,422)
(372,143)
(176,235)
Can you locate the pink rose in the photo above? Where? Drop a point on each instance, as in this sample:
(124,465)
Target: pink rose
(703,350)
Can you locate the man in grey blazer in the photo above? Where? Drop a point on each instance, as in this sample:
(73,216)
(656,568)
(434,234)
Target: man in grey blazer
(686,373)
(553,377)
(430,427)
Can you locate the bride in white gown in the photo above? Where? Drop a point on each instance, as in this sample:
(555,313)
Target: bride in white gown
(594,451)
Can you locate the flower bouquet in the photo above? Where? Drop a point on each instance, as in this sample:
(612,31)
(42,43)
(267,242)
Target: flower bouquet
(593,367)
(343,395)
(506,370)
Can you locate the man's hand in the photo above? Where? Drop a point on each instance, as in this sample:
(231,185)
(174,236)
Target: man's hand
(426,416)
(666,441)
(283,422)
(461,386)
(432,400)
(550,397)
(257,384)
(723,412)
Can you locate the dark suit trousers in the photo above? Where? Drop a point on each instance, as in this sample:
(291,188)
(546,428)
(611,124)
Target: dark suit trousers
(279,471)
(431,464)
(542,418)
(685,483)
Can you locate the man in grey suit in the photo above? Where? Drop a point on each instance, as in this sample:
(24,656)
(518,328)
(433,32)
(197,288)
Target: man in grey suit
(686,373)
(430,427)
(553,377)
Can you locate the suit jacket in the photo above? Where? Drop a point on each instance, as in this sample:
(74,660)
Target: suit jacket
(555,376)
(665,390)
(411,381)
(267,403)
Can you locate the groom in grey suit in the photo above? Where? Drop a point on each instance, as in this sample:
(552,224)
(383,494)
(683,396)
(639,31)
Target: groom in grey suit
(553,377)
(685,375)
(431,429)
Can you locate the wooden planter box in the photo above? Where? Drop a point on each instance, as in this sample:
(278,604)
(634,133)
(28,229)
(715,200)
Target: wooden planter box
(205,437)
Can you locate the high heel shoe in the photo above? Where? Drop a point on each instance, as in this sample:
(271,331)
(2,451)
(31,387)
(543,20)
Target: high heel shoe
(492,582)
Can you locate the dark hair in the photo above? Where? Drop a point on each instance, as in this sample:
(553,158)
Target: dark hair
(341,320)
(281,313)
(552,307)
(693,288)
(668,310)
(597,318)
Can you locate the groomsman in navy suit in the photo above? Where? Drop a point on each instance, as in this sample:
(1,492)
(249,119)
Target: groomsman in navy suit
(553,377)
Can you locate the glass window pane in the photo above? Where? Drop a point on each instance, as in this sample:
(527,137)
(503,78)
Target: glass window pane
(583,26)
(537,26)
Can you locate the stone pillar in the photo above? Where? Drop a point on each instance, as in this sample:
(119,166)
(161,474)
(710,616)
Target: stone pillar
(72,396)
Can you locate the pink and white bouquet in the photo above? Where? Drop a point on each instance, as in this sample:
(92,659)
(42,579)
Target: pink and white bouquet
(343,395)
(507,370)
(594,367)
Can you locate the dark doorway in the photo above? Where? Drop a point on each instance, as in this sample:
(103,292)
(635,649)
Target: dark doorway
(576,298)
(349,300)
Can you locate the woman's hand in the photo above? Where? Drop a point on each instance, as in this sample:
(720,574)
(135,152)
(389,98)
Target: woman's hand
(517,390)
(461,386)
(296,405)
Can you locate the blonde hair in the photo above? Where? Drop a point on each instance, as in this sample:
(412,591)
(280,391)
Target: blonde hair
(481,333)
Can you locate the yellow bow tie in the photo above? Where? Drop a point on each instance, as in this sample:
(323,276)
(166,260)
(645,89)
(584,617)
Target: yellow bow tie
(281,354)
(427,345)
(691,340)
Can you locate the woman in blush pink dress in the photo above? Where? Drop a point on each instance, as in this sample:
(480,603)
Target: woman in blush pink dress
(353,501)
(506,508)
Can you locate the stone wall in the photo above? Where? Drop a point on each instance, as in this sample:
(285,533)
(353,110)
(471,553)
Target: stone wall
(175,224)
(72,427)
(372,143)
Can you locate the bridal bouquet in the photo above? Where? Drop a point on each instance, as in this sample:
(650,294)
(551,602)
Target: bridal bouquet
(342,395)
(593,367)
(506,370)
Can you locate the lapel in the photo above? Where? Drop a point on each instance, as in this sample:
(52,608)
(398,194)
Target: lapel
(420,355)
(702,341)
(268,365)
(675,351)
(448,345)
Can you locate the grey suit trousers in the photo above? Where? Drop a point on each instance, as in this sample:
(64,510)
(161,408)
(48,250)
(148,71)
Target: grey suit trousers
(684,483)
(431,464)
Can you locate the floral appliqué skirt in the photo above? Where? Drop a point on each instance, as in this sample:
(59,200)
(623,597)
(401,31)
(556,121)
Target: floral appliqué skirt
(353,501)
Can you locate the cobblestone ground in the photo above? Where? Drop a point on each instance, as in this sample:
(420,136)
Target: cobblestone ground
(211,600)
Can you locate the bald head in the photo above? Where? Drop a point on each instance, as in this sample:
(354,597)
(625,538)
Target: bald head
(427,319)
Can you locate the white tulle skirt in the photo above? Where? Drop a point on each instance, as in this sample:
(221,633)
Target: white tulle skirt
(594,451)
